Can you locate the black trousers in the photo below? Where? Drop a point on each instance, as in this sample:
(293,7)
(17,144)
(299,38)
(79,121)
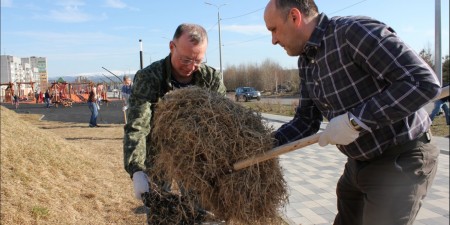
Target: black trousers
(387,190)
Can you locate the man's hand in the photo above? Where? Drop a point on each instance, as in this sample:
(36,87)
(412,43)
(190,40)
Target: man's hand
(140,184)
(124,108)
(338,131)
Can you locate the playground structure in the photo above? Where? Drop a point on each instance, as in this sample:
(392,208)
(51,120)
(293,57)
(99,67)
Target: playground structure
(26,96)
(21,93)
(61,93)
(65,94)
(9,91)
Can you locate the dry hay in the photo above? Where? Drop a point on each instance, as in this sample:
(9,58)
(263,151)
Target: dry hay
(199,135)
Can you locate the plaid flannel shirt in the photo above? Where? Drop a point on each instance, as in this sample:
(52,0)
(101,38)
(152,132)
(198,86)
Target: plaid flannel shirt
(359,65)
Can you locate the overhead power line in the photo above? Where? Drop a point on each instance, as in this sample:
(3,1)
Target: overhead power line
(234,17)
(347,7)
(241,42)
(257,10)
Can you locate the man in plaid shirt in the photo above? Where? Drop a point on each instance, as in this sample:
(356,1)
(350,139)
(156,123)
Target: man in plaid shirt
(371,86)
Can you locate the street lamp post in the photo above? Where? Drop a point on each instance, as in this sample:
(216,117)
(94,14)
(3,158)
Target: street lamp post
(140,54)
(437,41)
(220,40)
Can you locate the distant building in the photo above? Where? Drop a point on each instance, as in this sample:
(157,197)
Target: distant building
(81,79)
(24,75)
(41,64)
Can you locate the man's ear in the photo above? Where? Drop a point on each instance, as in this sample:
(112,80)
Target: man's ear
(295,16)
(171,45)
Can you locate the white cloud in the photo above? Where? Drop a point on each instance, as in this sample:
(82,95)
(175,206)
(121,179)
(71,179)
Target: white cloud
(117,4)
(69,39)
(6,3)
(67,11)
(69,15)
(70,3)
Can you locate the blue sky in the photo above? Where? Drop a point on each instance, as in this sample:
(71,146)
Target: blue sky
(79,37)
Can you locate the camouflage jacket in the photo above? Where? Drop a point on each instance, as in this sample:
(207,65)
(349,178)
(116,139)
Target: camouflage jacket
(149,85)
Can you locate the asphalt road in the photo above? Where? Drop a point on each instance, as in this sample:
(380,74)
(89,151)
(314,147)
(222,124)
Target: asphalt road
(284,100)
(110,113)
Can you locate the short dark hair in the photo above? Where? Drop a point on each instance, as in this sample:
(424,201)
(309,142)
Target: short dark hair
(306,7)
(197,34)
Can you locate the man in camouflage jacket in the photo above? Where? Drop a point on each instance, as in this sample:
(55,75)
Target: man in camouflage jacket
(183,67)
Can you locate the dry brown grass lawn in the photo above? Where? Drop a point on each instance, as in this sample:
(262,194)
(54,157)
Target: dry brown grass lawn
(440,127)
(63,173)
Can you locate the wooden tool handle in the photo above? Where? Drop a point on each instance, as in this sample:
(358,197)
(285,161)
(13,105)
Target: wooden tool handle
(296,145)
(277,151)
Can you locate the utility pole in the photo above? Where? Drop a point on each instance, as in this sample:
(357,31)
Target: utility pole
(437,41)
(220,40)
(140,54)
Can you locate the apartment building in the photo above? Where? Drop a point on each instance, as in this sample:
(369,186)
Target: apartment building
(23,75)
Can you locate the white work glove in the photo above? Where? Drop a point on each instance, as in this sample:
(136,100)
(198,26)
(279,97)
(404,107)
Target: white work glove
(338,131)
(125,108)
(140,184)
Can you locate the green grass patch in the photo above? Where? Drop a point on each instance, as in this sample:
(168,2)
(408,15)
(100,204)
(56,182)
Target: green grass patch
(272,108)
(39,212)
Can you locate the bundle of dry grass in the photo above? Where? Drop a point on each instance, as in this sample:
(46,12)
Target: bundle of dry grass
(199,136)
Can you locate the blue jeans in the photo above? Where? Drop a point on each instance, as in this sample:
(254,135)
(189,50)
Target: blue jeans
(438,104)
(94,113)
(47,102)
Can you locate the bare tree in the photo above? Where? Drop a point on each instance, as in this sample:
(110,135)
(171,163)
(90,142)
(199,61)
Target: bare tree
(445,70)
(427,56)
(269,74)
(263,77)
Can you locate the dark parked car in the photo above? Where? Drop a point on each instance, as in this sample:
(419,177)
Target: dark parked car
(247,93)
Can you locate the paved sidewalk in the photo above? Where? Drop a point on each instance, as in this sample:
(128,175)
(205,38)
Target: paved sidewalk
(312,173)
